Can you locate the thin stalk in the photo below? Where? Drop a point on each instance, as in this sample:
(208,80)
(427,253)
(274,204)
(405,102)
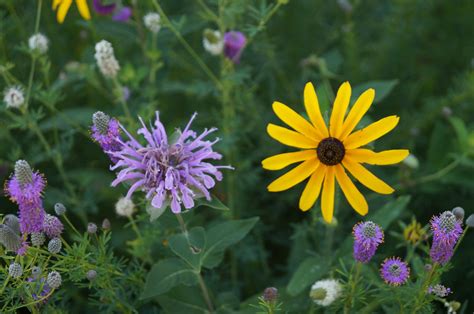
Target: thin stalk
(460,239)
(135,227)
(33,61)
(424,287)
(121,100)
(70,224)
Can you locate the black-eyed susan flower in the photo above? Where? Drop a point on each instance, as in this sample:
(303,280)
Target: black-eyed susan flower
(63,6)
(326,153)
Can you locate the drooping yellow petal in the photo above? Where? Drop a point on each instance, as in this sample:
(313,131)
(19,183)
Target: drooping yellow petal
(290,138)
(386,157)
(294,176)
(63,9)
(366,177)
(294,120)
(83,9)
(56,3)
(280,161)
(313,188)
(311,104)
(327,199)
(361,106)
(371,132)
(339,109)
(353,196)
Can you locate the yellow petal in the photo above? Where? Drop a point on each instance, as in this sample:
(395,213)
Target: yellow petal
(327,199)
(366,177)
(294,176)
(290,138)
(353,196)
(313,188)
(339,109)
(359,109)
(371,132)
(83,9)
(386,157)
(311,104)
(63,9)
(280,161)
(56,3)
(294,120)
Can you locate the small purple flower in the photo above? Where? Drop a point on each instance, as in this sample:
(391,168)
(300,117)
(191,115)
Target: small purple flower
(103,9)
(39,289)
(25,188)
(367,237)
(234,43)
(394,271)
(170,170)
(106,132)
(446,231)
(52,226)
(439,290)
(122,15)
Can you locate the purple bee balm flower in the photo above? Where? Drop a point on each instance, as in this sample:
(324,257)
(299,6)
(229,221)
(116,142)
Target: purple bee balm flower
(394,271)
(446,231)
(234,43)
(25,188)
(367,237)
(122,15)
(170,170)
(106,132)
(103,9)
(52,226)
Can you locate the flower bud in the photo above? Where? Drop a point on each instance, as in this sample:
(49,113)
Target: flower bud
(106,224)
(152,21)
(36,271)
(23,172)
(91,228)
(459,213)
(60,209)
(54,279)
(12,221)
(470,221)
(101,122)
(15,270)
(54,245)
(91,274)
(37,238)
(9,239)
(270,294)
(411,162)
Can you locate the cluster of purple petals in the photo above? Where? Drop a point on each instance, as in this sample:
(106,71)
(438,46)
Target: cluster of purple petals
(367,237)
(446,231)
(439,290)
(28,197)
(110,140)
(234,43)
(52,226)
(40,288)
(122,14)
(170,172)
(394,271)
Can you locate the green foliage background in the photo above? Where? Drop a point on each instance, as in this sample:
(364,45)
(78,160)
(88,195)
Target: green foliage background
(419,52)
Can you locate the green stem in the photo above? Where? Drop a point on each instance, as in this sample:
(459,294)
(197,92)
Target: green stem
(121,100)
(460,239)
(33,62)
(71,225)
(135,227)
(353,281)
(424,287)
(205,292)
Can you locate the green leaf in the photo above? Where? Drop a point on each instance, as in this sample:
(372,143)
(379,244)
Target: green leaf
(382,89)
(154,212)
(461,132)
(223,235)
(183,300)
(189,246)
(166,274)
(310,270)
(64,119)
(213,203)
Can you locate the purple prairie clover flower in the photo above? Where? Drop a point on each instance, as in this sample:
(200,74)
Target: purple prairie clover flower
(106,132)
(234,43)
(172,171)
(25,188)
(441,253)
(394,271)
(122,15)
(103,9)
(367,237)
(39,289)
(52,226)
(446,231)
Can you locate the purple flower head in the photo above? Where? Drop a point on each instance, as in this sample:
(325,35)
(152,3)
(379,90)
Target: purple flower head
(394,271)
(170,170)
(446,228)
(441,253)
(234,43)
(103,9)
(52,226)
(39,288)
(106,132)
(25,188)
(367,237)
(122,15)
(439,290)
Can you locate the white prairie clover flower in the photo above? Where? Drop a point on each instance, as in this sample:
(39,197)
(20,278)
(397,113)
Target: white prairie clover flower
(13,97)
(152,21)
(213,42)
(325,292)
(15,270)
(39,43)
(54,279)
(54,246)
(125,207)
(104,55)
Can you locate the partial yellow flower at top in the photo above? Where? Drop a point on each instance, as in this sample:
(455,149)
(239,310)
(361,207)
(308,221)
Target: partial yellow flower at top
(62,6)
(328,152)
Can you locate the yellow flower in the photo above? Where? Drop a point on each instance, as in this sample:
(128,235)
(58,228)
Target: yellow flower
(63,7)
(327,153)
(414,232)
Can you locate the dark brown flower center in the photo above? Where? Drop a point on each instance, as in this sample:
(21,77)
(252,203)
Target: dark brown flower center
(330,151)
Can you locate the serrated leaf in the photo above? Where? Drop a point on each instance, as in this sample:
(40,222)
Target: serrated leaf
(222,236)
(166,274)
(189,246)
(310,270)
(382,89)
